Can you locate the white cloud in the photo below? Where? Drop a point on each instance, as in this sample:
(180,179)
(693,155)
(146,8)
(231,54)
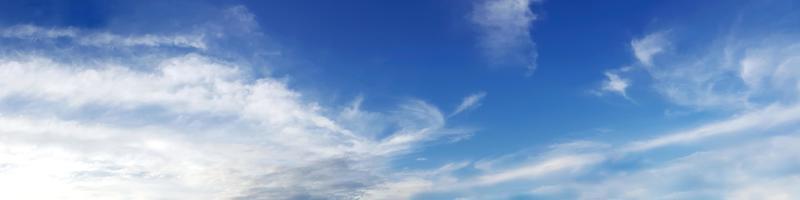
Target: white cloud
(51,158)
(408,184)
(35,32)
(645,48)
(272,132)
(770,117)
(470,102)
(737,73)
(771,68)
(505,27)
(549,167)
(763,168)
(615,83)
(561,162)
(108,39)
(103,39)
(405,189)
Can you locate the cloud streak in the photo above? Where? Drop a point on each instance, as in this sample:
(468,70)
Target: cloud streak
(469,102)
(103,39)
(773,116)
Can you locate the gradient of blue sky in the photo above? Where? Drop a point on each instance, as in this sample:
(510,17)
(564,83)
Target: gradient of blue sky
(484,99)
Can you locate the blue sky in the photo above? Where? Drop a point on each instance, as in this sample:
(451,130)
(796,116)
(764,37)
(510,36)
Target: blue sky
(484,99)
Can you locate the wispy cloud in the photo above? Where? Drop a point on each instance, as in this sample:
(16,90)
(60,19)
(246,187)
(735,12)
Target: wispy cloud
(738,171)
(100,39)
(645,48)
(505,27)
(736,73)
(470,102)
(773,116)
(615,83)
(549,167)
(35,32)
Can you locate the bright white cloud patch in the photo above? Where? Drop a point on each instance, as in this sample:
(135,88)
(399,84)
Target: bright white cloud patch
(505,27)
(470,102)
(217,129)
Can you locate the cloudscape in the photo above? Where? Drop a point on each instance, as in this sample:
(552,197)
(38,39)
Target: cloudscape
(384,100)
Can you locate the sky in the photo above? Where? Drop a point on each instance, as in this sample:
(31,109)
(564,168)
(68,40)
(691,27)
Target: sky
(358,99)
